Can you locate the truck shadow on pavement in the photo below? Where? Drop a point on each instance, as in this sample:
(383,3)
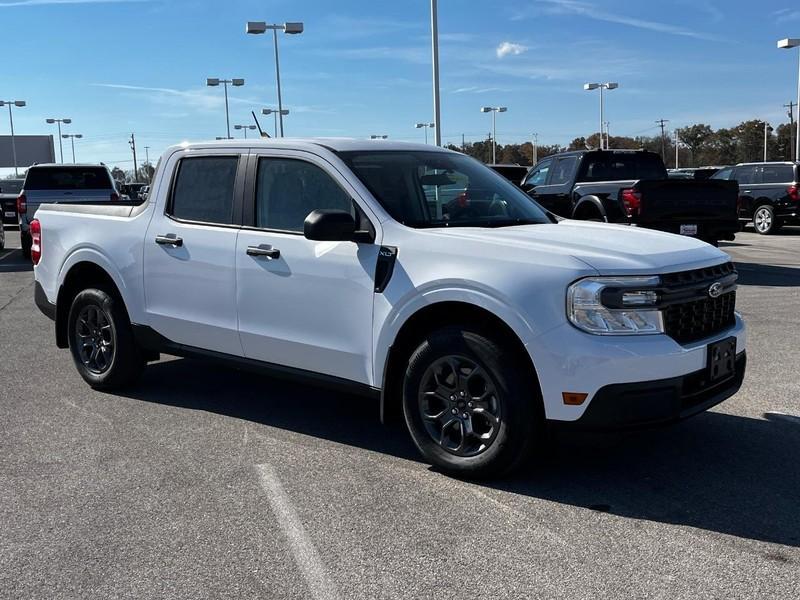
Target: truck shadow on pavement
(723,473)
(767,275)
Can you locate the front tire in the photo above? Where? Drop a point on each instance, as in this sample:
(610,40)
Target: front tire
(470,405)
(101,340)
(764,220)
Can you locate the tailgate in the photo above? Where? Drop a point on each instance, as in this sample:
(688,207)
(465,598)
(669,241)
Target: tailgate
(687,201)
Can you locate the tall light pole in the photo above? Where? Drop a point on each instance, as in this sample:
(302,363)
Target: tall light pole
(275,112)
(258,27)
(20,104)
(494,110)
(767,129)
(788,43)
(244,128)
(60,121)
(601,86)
(534,148)
(608,134)
(437,113)
(676,147)
(425,126)
(71,137)
(236,82)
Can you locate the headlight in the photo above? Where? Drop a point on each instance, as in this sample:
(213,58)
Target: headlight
(615,305)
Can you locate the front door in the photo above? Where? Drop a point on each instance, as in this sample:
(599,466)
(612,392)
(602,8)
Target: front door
(189,254)
(303,304)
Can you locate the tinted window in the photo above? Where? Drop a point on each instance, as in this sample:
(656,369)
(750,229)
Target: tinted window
(513,173)
(564,170)
(204,189)
(287,190)
(619,166)
(10,186)
(777,174)
(745,175)
(68,178)
(441,189)
(539,174)
(723,173)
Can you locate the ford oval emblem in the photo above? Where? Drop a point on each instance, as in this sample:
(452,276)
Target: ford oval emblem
(715,290)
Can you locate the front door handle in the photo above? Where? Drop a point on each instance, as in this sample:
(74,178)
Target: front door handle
(263,250)
(169,240)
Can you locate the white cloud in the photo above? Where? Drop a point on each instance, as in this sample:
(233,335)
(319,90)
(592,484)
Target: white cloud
(506,48)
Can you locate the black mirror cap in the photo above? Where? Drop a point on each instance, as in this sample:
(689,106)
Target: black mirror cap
(329,225)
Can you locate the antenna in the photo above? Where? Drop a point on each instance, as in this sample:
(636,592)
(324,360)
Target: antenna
(263,133)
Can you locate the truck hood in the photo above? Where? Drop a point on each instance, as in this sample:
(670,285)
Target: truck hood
(610,249)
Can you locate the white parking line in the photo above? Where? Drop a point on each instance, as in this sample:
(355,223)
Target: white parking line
(305,555)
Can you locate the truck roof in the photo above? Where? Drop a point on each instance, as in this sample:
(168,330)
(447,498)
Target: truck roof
(335,144)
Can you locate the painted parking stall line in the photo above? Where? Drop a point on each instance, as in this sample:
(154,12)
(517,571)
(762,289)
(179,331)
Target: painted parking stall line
(305,554)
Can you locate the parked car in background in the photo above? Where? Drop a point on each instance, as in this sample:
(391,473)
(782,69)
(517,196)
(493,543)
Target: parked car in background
(320,260)
(514,173)
(692,172)
(632,187)
(133,190)
(769,193)
(9,191)
(61,184)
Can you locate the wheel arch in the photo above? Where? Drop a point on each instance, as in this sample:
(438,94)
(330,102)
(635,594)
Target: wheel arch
(434,316)
(589,204)
(78,276)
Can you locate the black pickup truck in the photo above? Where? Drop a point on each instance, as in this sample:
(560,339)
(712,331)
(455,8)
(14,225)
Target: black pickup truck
(631,186)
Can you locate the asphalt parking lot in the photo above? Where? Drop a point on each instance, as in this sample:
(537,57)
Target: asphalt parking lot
(204,482)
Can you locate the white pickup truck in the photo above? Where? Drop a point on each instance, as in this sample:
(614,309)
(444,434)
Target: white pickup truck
(405,272)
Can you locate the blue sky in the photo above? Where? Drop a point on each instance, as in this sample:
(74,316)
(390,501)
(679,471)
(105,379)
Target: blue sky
(363,67)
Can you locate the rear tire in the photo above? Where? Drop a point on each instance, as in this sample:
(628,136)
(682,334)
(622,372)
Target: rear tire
(101,340)
(470,406)
(764,220)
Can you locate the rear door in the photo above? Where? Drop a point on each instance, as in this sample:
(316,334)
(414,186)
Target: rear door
(309,305)
(189,261)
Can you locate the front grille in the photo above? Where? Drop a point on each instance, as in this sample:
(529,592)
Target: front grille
(710,274)
(697,319)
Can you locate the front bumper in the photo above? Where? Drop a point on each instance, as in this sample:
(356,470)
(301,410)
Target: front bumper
(660,401)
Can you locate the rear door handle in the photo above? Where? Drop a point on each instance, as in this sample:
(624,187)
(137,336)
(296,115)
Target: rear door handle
(169,240)
(263,250)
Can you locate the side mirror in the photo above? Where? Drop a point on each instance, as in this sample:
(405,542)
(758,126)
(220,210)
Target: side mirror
(329,225)
(526,187)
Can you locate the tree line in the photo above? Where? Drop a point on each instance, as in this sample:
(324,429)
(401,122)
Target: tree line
(698,145)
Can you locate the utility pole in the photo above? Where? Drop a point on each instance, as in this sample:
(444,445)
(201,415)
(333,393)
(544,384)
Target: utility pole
(147,160)
(437,116)
(463,144)
(791,106)
(132,143)
(534,148)
(676,147)
(767,129)
(661,123)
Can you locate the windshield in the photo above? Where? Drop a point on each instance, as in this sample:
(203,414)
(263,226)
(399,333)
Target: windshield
(621,166)
(442,189)
(10,186)
(68,178)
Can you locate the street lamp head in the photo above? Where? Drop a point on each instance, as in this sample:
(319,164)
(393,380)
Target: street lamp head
(67,121)
(79,135)
(293,28)
(502,109)
(591,86)
(65,135)
(267,111)
(255,27)
(432,125)
(238,126)
(237,82)
(485,109)
(212,81)
(51,121)
(19,102)
(611,86)
(789,43)
(419,125)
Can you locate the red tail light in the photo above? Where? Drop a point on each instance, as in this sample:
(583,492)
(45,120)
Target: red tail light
(632,201)
(114,197)
(22,204)
(463,200)
(794,192)
(36,241)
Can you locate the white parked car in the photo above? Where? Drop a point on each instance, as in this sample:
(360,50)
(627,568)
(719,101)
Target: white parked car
(474,313)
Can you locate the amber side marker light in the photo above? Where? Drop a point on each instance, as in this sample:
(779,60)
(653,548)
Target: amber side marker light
(573,398)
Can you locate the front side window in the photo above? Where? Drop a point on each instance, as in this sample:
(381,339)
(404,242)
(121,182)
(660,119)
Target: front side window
(441,189)
(204,189)
(539,175)
(723,173)
(564,170)
(287,190)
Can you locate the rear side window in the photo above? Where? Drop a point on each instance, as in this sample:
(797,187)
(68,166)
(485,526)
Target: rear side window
(745,175)
(777,174)
(287,190)
(68,178)
(204,189)
(564,170)
(723,173)
(618,166)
